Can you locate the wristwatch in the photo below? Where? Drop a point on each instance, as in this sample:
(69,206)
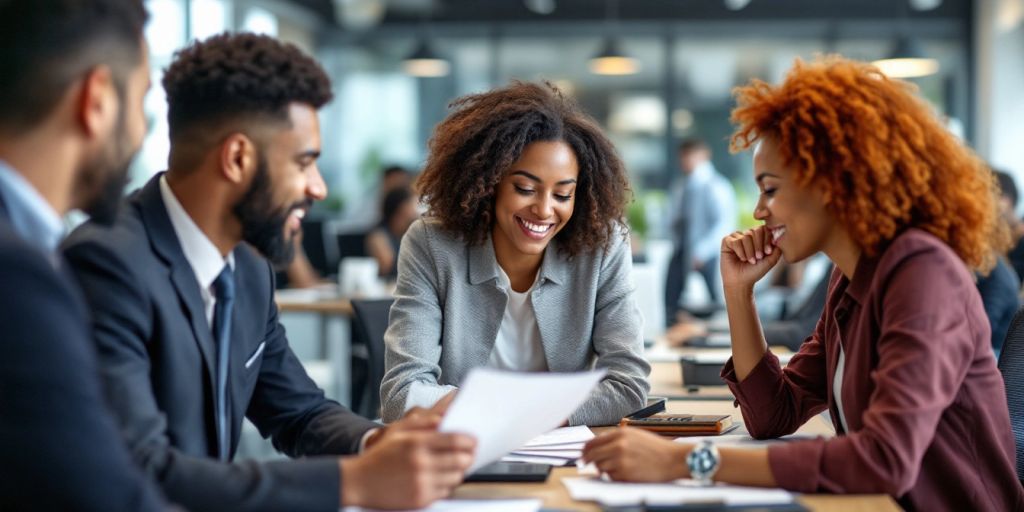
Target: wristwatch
(703,462)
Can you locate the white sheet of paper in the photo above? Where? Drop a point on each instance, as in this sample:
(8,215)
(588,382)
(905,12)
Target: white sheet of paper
(678,492)
(743,439)
(526,505)
(504,410)
(562,436)
(553,448)
(533,460)
(554,454)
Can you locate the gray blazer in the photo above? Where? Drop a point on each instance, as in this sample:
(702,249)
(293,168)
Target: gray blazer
(449,306)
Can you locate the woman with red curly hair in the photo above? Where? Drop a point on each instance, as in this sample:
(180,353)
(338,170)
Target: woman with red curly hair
(853,164)
(522,261)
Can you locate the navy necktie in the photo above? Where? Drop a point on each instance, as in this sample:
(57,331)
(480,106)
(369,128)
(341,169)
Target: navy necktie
(224,288)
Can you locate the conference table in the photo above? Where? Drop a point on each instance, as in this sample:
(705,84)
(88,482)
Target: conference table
(666,380)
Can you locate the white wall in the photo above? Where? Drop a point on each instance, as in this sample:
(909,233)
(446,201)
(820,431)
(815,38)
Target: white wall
(999,84)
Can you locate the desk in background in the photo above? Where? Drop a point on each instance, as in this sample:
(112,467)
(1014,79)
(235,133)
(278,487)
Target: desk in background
(334,317)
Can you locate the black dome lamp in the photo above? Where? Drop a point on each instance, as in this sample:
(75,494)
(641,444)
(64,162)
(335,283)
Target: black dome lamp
(907,60)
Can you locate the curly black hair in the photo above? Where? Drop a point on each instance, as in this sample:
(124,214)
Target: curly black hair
(473,148)
(236,78)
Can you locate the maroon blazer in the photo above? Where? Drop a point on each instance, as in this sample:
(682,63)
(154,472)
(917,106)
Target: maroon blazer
(927,413)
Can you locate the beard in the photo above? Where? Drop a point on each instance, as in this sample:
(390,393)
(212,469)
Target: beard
(107,176)
(263,224)
(105,205)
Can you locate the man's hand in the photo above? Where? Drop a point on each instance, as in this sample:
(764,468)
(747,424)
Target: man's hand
(634,455)
(406,470)
(414,419)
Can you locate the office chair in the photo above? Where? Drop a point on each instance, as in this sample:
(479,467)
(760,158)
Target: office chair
(368,326)
(1011,364)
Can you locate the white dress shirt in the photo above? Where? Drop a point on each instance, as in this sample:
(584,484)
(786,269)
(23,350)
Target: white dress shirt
(517,346)
(205,259)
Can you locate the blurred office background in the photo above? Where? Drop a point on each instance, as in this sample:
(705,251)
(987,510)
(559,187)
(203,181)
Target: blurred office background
(683,59)
(675,64)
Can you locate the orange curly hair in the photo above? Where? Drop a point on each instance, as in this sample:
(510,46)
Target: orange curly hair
(884,160)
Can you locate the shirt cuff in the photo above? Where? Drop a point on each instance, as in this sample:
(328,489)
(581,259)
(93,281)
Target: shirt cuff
(365,438)
(759,382)
(426,395)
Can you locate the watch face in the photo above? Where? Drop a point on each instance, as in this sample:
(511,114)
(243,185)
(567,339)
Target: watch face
(702,462)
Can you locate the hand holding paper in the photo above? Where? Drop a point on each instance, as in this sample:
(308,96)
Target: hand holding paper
(503,410)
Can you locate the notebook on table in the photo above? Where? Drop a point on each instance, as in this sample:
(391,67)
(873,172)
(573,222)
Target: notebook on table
(671,424)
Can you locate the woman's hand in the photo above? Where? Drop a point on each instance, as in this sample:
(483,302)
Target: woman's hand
(746,257)
(634,455)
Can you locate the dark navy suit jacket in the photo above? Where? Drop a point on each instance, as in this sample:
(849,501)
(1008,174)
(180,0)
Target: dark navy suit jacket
(59,445)
(157,359)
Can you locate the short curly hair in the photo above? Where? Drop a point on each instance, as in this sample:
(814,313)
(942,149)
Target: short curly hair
(235,77)
(882,156)
(472,149)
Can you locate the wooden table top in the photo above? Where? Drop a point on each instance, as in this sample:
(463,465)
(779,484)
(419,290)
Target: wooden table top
(554,494)
(321,300)
(666,380)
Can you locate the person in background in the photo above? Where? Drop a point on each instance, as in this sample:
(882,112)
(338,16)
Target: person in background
(705,211)
(522,261)
(852,163)
(790,331)
(182,299)
(73,76)
(1008,199)
(398,212)
(300,273)
(391,178)
(1000,295)
(1000,288)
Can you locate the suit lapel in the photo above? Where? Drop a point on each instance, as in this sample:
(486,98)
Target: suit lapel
(483,275)
(548,298)
(165,243)
(247,326)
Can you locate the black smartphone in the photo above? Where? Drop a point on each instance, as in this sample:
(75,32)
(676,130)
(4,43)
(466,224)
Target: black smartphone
(655,404)
(510,472)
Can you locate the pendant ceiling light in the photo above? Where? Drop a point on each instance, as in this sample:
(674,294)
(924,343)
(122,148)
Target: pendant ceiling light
(424,62)
(611,60)
(907,60)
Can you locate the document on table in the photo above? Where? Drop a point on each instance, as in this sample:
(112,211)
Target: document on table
(554,448)
(743,439)
(504,410)
(530,505)
(674,493)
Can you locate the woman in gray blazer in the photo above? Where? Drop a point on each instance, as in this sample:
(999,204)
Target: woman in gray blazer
(521,262)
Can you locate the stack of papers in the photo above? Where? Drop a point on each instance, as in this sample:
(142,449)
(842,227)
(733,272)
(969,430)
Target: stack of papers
(531,404)
(556,448)
(679,492)
(529,505)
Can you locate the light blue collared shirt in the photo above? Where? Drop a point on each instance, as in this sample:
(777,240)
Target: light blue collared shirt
(30,215)
(708,202)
